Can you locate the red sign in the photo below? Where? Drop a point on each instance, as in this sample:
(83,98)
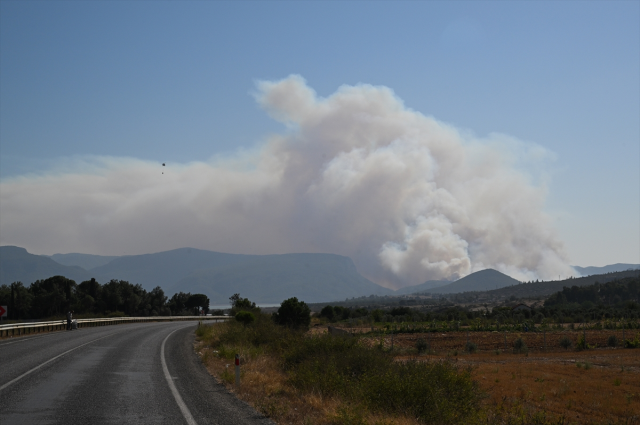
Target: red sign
(3,311)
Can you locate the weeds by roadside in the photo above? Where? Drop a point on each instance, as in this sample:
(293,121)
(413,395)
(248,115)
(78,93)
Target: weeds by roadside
(302,378)
(363,382)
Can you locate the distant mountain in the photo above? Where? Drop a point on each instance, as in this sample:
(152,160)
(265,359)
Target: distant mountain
(163,269)
(16,264)
(618,267)
(484,280)
(261,278)
(274,278)
(429,284)
(86,261)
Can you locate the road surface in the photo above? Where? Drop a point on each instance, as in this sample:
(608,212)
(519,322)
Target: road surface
(140,373)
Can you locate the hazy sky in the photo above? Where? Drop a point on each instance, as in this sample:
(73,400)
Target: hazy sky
(95,90)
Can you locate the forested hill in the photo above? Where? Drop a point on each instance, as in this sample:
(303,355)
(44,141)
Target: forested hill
(609,293)
(542,288)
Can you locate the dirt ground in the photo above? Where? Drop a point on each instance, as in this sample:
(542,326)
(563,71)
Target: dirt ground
(599,385)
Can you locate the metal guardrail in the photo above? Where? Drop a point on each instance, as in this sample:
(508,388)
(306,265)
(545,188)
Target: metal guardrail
(56,325)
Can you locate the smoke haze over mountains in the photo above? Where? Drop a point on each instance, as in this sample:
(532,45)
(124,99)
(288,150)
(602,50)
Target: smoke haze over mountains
(358,174)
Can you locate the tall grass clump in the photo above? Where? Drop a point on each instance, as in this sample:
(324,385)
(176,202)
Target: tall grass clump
(566,343)
(519,346)
(421,346)
(436,392)
(471,347)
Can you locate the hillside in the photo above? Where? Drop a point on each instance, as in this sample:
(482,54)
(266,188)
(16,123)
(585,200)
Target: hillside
(86,261)
(262,278)
(16,264)
(162,269)
(429,284)
(479,281)
(273,278)
(542,289)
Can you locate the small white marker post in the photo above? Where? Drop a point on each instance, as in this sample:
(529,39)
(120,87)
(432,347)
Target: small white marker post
(237,370)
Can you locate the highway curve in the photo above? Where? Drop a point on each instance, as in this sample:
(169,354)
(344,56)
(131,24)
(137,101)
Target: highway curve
(114,375)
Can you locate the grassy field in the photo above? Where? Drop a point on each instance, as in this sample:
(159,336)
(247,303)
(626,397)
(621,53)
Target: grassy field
(297,379)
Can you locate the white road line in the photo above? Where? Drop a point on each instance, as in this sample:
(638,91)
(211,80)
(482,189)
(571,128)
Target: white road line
(25,339)
(13,381)
(183,407)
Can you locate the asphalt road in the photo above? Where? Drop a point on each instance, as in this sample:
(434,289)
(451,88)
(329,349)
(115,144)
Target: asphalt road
(139,373)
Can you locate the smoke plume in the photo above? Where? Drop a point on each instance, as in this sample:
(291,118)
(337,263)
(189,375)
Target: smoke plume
(407,197)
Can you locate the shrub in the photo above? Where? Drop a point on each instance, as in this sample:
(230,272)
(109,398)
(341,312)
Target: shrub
(293,313)
(245,317)
(632,343)
(328,312)
(421,345)
(434,393)
(565,343)
(582,344)
(471,347)
(241,304)
(519,346)
(612,341)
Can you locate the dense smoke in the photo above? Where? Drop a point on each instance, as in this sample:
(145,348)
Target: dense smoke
(407,197)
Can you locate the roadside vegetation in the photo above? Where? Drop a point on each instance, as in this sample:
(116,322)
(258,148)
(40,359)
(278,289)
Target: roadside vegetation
(296,372)
(293,376)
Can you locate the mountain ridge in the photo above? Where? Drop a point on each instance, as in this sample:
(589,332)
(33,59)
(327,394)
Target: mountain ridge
(18,265)
(262,278)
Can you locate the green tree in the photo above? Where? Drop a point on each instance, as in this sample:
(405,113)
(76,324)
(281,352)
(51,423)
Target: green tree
(178,303)
(245,317)
(293,313)
(328,312)
(52,296)
(241,304)
(199,301)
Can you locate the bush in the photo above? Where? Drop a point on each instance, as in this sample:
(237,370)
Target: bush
(612,341)
(293,313)
(566,343)
(421,345)
(438,393)
(519,346)
(471,347)
(632,343)
(241,304)
(328,312)
(245,317)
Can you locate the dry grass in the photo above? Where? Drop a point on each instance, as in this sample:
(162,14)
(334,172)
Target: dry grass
(600,386)
(590,386)
(264,386)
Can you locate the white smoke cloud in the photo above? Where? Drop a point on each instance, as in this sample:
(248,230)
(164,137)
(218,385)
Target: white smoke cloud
(407,197)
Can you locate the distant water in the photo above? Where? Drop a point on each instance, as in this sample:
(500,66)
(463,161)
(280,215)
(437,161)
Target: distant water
(227,306)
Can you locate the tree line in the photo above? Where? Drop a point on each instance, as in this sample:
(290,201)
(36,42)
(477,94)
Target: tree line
(611,301)
(54,296)
(616,293)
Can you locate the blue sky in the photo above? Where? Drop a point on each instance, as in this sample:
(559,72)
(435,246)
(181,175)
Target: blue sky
(175,82)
